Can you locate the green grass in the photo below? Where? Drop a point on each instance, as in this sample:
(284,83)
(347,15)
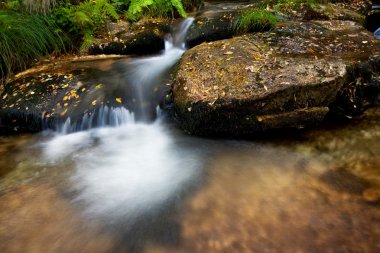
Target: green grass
(251,21)
(23,38)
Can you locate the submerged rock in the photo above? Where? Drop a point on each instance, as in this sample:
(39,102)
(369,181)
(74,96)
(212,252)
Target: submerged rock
(284,78)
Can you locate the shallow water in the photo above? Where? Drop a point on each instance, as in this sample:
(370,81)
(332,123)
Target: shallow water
(150,188)
(135,184)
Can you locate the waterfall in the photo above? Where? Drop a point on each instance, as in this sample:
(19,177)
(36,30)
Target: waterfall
(126,166)
(143,77)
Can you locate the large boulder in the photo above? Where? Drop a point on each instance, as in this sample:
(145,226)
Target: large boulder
(287,77)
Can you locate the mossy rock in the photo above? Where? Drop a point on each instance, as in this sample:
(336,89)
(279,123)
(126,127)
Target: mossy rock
(288,77)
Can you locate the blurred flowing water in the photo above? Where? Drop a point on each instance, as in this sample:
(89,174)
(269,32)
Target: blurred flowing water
(120,180)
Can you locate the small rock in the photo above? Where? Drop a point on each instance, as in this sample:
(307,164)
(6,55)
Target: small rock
(371,195)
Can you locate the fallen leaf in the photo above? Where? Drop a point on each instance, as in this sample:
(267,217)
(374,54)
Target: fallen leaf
(250,68)
(118,100)
(63,113)
(93,102)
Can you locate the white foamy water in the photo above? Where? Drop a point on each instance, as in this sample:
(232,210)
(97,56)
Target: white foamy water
(377,33)
(124,172)
(125,169)
(102,117)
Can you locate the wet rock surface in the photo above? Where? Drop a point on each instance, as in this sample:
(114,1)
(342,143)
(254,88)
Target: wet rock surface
(216,26)
(215,22)
(142,38)
(234,86)
(45,96)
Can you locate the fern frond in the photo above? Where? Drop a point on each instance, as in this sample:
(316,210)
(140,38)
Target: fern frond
(179,7)
(137,6)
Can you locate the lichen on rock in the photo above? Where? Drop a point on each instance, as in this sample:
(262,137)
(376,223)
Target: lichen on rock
(231,86)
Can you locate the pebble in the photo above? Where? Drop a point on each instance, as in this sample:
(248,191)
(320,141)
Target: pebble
(372,195)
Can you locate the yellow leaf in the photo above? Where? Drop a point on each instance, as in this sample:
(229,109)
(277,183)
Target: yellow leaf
(63,113)
(98,86)
(65,98)
(93,102)
(118,100)
(83,89)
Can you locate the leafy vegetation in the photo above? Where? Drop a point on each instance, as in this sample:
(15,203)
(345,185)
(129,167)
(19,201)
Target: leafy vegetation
(32,28)
(24,37)
(81,21)
(258,20)
(154,8)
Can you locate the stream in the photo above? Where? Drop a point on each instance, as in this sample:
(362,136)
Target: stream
(122,180)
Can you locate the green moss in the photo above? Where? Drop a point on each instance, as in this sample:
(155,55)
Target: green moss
(249,21)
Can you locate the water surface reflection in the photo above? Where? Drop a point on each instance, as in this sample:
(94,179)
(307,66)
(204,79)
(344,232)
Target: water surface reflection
(319,192)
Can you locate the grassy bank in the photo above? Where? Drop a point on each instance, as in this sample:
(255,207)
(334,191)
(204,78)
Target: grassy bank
(25,37)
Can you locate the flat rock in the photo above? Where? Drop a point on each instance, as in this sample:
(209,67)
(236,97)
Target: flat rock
(44,97)
(287,77)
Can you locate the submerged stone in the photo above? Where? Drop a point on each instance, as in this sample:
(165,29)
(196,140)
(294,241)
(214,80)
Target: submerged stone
(287,77)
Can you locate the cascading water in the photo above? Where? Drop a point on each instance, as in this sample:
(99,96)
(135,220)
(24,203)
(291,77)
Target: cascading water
(143,77)
(125,167)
